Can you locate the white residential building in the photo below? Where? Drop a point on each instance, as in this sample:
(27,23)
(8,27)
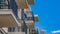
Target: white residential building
(16,17)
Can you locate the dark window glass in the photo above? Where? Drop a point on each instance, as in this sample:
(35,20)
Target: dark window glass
(31,30)
(11,29)
(4,4)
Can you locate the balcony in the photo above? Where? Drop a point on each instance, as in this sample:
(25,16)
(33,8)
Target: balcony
(2,31)
(35,17)
(21,4)
(30,23)
(8,19)
(16,33)
(30,1)
(32,31)
(28,15)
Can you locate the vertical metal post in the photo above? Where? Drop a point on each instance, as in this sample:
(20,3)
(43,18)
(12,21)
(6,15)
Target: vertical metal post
(0,4)
(24,24)
(8,4)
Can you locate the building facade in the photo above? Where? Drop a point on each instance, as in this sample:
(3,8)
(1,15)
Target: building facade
(16,16)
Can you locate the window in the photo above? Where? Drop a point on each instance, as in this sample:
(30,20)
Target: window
(11,29)
(31,30)
(4,4)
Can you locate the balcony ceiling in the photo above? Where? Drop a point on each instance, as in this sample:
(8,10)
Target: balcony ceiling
(21,4)
(7,19)
(30,25)
(30,1)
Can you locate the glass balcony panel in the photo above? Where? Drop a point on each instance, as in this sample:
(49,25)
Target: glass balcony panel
(29,23)
(28,16)
(16,33)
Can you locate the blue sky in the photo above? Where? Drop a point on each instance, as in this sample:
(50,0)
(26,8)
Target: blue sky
(49,14)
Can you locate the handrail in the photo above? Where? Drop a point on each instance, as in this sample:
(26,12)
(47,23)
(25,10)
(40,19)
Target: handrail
(2,31)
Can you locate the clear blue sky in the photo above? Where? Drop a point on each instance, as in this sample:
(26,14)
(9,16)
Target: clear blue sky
(49,14)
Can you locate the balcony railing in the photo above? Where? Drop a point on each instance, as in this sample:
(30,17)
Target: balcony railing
(32,31)
(16,32)
(28,16)
(2,31)
(4,4)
